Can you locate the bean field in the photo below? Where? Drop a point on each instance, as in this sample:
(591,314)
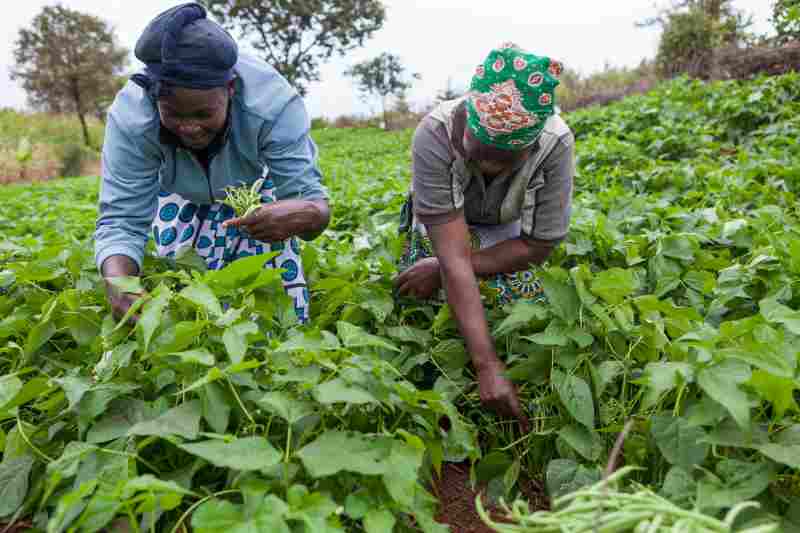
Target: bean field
(668,351)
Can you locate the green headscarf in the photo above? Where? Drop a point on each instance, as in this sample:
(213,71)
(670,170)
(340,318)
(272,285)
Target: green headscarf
(512,94)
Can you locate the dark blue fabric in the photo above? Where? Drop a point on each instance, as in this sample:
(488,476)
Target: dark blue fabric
(182,48)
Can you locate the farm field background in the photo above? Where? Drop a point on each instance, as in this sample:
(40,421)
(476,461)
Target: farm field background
(673,305)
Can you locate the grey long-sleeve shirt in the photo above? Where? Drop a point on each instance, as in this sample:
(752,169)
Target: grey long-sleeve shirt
(539,191)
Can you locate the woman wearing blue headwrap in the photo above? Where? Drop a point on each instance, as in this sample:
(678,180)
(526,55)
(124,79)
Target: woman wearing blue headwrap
(199,119)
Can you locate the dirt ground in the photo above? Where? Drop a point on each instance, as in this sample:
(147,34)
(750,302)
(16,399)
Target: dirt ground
(16,527)
(457,499)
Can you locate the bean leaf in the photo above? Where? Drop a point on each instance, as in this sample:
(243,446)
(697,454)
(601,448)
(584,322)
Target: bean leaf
(680,444)
(183,421)
(14,483)
(576,396)
(249,453)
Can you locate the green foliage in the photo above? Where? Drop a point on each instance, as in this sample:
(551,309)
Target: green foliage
(610,84)
(686,44)
(296,37)
(692,30)
(673,304)
(72,158)
(786,19)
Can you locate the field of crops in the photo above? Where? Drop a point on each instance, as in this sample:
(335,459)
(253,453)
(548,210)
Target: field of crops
(673,309)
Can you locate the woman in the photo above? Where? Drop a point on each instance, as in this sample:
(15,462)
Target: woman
(201,118)
(491,195)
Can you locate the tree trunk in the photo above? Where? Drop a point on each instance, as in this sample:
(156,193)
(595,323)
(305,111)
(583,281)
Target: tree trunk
(85,129)
(76,96)
(714,10)
(385,117)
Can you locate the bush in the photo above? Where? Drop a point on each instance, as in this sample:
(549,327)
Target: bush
(73,156)
(354,121)
(320,123)
(686,45)
(611,84)
(786,18)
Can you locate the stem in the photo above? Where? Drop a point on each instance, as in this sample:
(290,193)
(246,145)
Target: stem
(39,452)
(288,444)
(676,410)
(13,519)
(239,400)
(612,460)
(133,456)
(199,503)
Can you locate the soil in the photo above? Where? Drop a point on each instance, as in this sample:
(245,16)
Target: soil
(457,499)
(16,527)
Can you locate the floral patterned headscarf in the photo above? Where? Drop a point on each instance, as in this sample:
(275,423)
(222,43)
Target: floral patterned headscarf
(511,96)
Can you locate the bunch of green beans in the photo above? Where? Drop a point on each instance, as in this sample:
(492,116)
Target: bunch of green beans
(243,199)
(603,508)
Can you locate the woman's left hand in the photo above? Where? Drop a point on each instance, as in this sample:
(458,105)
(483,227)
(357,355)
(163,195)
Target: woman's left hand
(281,220)
(420,280)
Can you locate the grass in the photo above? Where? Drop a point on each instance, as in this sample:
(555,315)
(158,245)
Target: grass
(52,137)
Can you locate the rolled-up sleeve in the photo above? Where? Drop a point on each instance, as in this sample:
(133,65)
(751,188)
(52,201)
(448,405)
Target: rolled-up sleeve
(128,195)
(548,206)
(435,202)
(288,151)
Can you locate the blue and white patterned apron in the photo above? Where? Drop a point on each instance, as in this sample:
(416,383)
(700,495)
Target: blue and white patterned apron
(501,288)
(181,223)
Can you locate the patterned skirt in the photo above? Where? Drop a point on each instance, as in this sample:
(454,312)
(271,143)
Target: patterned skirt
(180,223)
(498,289)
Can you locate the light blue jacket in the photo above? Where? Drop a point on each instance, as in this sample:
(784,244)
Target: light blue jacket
(267,126)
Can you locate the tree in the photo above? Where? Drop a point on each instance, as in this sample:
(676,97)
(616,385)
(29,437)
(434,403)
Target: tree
(295,36)
(67,61)
(786,18)
(692,31)
(383,76)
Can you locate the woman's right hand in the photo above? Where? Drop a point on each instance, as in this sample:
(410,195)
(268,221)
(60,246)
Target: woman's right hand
(120,266)
(120,301)
(498,393)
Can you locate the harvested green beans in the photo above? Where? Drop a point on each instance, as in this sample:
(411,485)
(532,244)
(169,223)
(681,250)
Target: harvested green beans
(604,508)
(243,199)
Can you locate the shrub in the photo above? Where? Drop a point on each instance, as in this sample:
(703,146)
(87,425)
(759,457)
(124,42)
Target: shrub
(786,18)
(320,123)
(73,156)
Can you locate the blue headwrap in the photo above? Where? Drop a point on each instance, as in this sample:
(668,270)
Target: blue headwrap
(182,48)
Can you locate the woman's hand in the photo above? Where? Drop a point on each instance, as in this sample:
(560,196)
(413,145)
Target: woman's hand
(281,220)
(119,266)
(498,393)
(120,301)
(420,280)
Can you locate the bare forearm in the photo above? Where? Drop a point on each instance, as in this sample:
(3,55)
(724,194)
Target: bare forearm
(312,218)
(306,219)
(451,245)
(465,303)
(510,256)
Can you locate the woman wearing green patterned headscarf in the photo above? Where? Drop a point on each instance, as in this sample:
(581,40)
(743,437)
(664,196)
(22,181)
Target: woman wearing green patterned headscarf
(490,197)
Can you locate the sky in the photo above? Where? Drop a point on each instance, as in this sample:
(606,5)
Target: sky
(439,39)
